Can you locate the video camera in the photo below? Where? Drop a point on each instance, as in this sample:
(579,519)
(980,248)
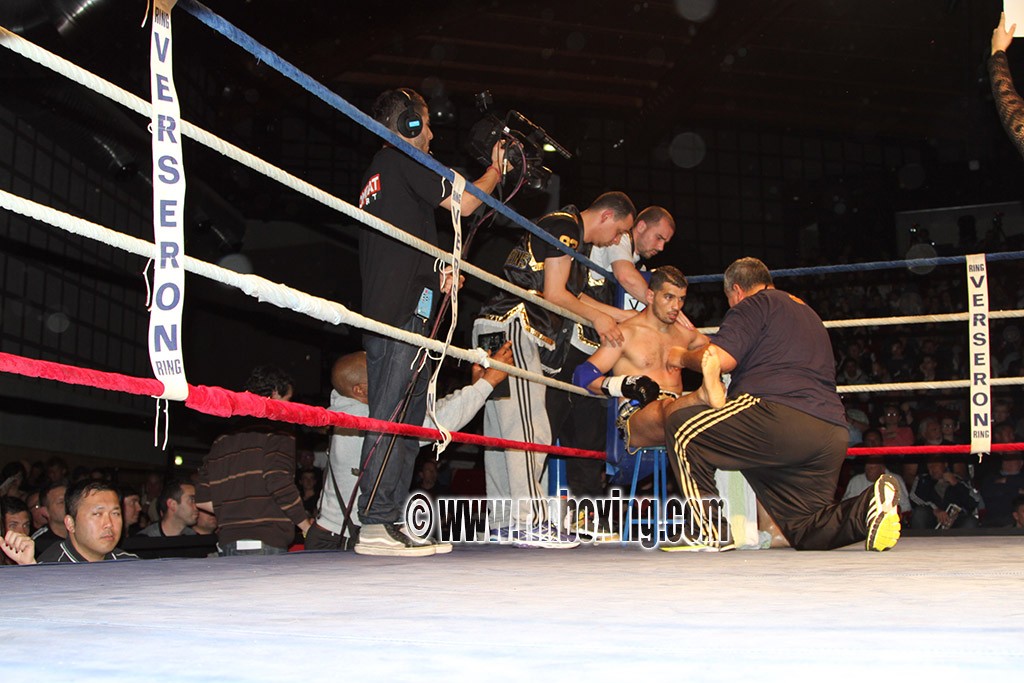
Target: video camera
(524,142)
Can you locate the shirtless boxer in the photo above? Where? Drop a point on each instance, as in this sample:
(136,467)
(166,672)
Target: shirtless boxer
(644,372)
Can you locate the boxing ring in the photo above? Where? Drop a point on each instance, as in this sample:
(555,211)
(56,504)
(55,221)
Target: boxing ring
(930,606)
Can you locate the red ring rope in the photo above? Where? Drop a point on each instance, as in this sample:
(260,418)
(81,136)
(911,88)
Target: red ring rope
(225,403)
(908,450)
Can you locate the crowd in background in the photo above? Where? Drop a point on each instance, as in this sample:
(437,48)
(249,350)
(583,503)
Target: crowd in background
(942,491)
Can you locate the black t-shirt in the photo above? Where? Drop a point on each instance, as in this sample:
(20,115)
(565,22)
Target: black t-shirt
(399,190)
(46,540)
(525,267)
(65,552)
(783,354)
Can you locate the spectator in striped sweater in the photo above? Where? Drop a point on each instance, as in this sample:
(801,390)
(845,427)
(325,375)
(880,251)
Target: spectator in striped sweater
(248,479)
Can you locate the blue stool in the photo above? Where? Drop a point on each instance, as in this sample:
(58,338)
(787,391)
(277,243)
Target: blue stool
(622,466)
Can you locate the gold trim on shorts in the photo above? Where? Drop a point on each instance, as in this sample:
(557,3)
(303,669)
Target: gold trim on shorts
(629,408)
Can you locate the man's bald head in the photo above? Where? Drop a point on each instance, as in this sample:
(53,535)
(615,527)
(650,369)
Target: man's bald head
(348,376)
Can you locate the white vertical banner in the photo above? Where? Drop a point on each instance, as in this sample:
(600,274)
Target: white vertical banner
(978,347)
(165,353)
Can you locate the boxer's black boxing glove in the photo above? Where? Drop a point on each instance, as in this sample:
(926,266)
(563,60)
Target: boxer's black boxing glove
(639,388)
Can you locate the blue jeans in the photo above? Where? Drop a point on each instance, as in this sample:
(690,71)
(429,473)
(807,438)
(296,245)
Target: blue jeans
(384,487)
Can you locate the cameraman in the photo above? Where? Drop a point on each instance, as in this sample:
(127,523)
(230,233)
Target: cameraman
(400,289)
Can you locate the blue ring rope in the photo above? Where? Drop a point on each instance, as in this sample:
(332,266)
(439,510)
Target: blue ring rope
(314,87)
(873,265)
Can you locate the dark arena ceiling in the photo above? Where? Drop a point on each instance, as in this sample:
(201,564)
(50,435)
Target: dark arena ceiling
(911,70)
(889,68)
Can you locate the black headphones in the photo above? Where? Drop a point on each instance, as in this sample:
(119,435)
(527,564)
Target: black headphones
(409,122)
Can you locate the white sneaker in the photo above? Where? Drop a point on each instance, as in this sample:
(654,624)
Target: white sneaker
(440,547)
(388,540)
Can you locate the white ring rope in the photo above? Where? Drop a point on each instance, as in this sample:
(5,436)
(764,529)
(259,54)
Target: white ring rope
(262,289)
(30,51)
(903,320)
(914,319)
(943,384)
(334,313)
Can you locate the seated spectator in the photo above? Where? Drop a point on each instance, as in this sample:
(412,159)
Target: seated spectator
(52,496)
(872,439)
(851,373)
(92,526)
(879,373)
(929,432)
(131,511)
(896,434)
(893,433)
(12,480)
(857,422)
(1001,490)
(151,489)
(306,459)
(177,508)
(874,467)
(1006,355)
(1018,512)
(943,500)
(36,509)
(988,468)
(36,475)
(899,364)
(56,470)
(951,430)
(15,517)
(1002,412)
(308,481)
(207,523)
(928,370)
(426,477)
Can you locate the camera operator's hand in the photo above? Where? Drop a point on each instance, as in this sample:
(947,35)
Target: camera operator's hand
(498,158)
(446,279)
(494,376)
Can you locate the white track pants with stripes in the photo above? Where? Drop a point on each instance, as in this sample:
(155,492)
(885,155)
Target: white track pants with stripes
(517,476)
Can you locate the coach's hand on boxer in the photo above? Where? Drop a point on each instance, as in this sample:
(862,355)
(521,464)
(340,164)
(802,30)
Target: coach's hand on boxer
(607,329)
(639,388)
(492,375)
